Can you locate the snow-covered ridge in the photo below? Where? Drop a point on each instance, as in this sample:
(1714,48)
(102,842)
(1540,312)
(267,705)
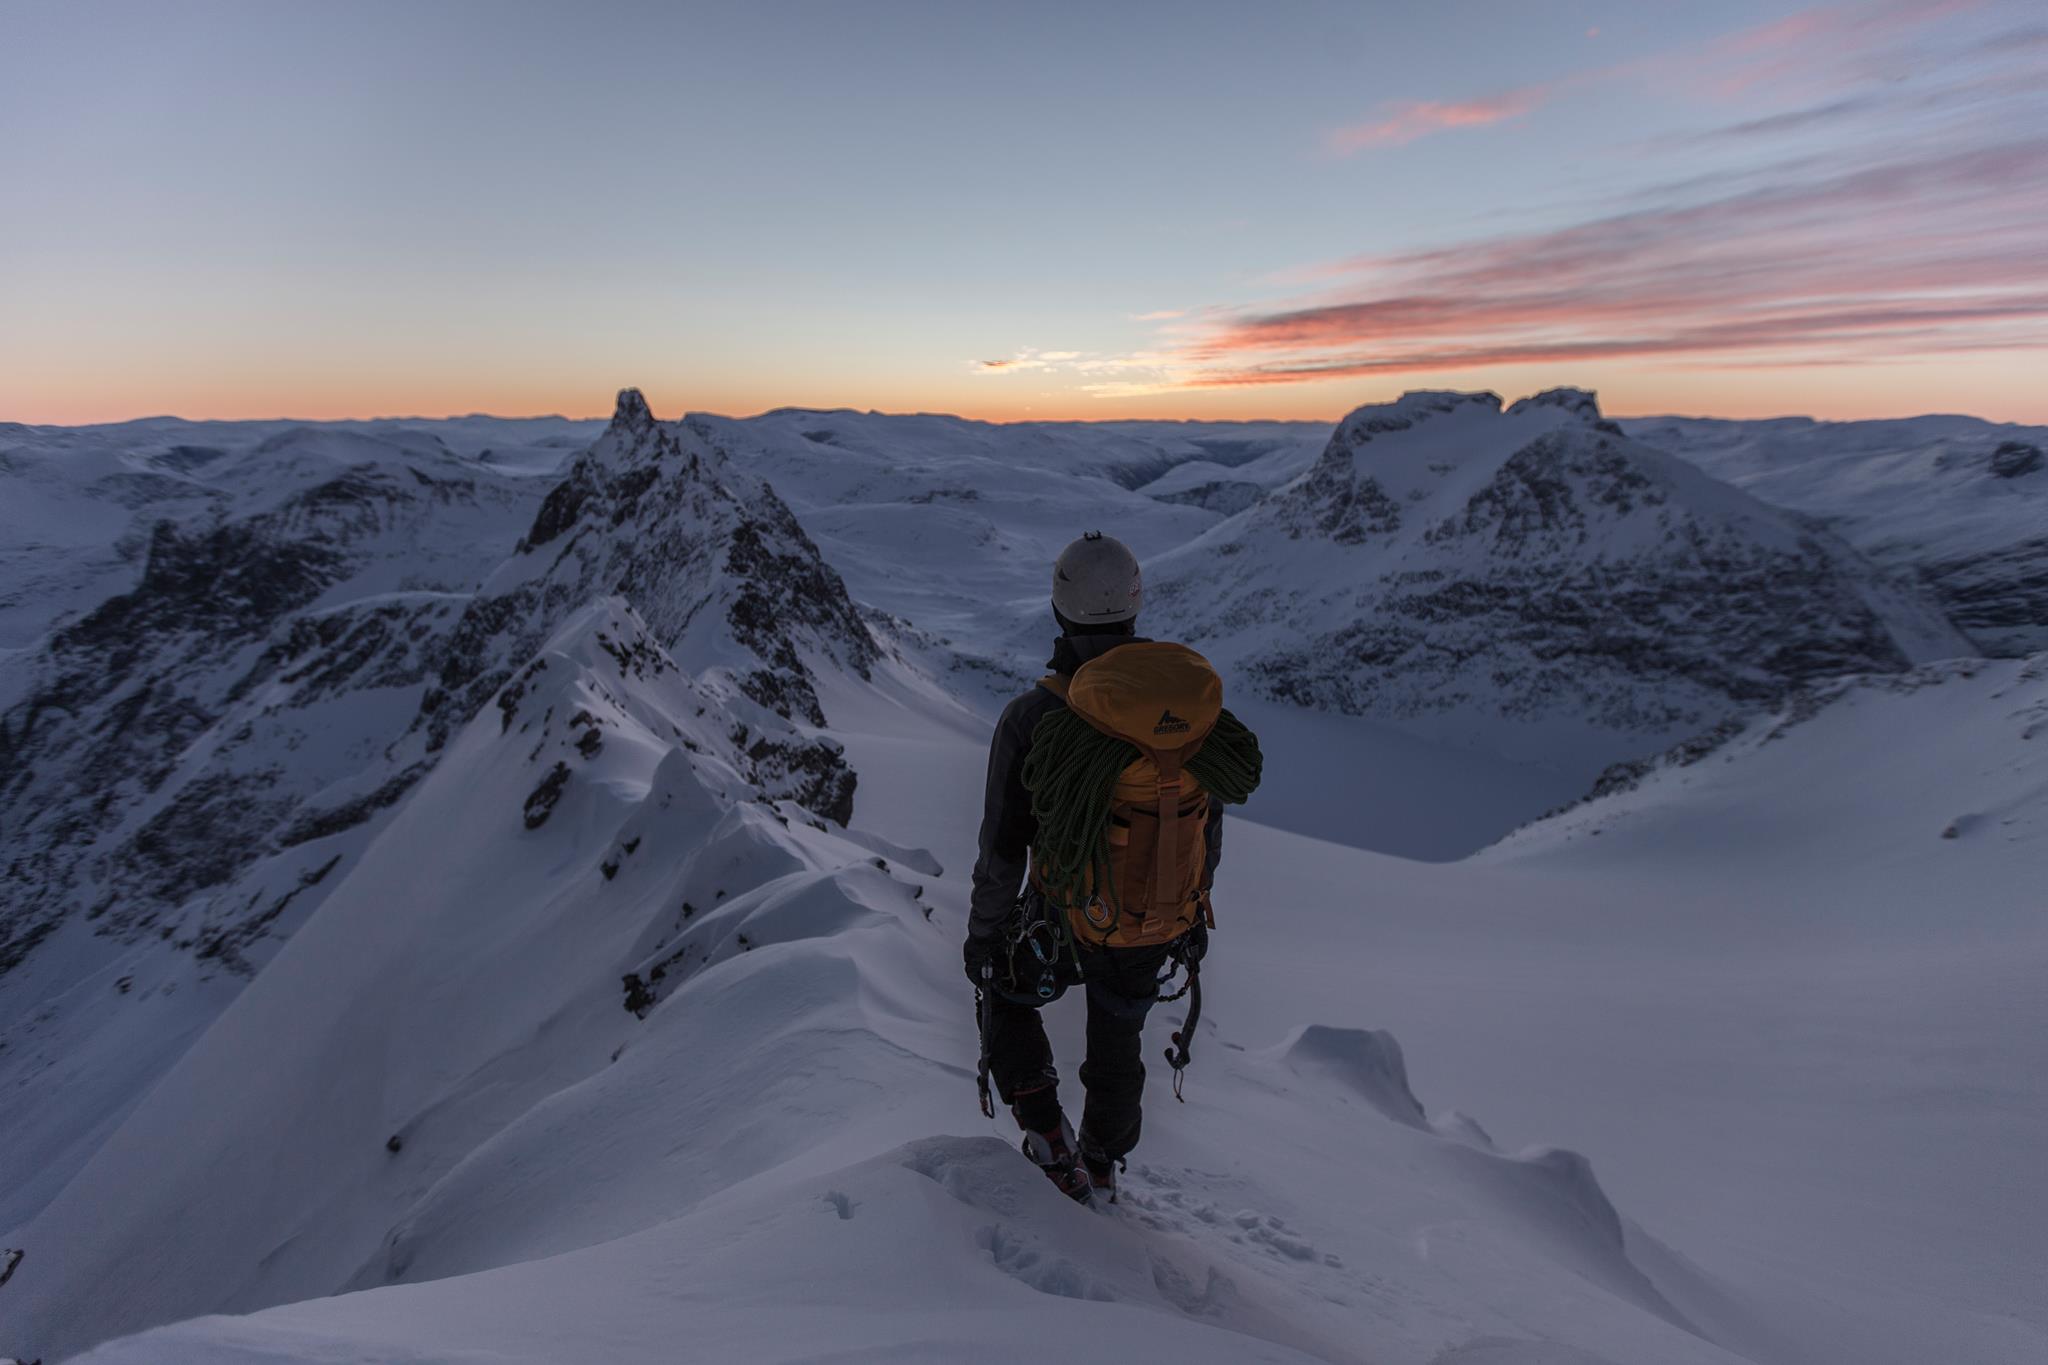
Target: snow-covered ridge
(935,1247)
(438,1094)
(466,969)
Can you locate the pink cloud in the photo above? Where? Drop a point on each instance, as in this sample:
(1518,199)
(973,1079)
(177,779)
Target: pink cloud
(1810,49)
(1400,123)
(1936,251)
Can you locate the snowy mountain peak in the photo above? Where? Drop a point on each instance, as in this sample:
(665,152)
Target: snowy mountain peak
(1582,403)
(611,476)
(1423,403)
(710,556)
(1352,495)
(1534,578)
(631,413)
(1410,409)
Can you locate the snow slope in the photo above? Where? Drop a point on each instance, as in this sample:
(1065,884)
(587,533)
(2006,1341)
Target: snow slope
(1958,501)
(783,1164)
(1796,1029)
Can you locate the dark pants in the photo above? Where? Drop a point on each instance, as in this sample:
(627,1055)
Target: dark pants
(1121,985)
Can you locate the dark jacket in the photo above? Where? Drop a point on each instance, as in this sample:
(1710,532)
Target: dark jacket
(1007,825)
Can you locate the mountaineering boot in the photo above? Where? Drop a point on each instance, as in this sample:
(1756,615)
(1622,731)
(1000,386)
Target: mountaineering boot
(1101,1169)
(1054,1152)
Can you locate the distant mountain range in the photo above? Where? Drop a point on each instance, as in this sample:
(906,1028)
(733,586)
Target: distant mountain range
(233,647)
(366,787)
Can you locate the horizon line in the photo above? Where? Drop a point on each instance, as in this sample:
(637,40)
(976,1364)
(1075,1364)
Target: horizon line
(986,421)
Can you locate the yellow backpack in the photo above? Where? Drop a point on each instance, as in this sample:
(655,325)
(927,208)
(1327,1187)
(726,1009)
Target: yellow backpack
(1164,699)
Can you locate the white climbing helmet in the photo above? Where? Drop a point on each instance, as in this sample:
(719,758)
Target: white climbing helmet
(1096,581)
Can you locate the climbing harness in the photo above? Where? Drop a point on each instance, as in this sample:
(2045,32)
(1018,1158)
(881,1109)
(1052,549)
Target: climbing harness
(1036,939)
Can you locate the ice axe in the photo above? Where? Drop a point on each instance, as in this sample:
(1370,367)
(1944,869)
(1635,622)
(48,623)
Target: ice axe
(984,1007)
(1184,1036)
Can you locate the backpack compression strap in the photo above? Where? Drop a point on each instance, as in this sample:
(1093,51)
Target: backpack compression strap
(1167,761)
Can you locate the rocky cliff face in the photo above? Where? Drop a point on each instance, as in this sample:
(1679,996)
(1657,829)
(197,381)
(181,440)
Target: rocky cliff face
(184,758)
(1530,578)
(206,718)
(1956,502)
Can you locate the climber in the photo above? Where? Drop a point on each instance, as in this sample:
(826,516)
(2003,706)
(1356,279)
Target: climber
(1087,794)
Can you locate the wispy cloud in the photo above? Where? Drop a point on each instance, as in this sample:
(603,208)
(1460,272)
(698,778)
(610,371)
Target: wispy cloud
(1940,250)
(1033,358)
(1822,45)
(1401,122)
(1779,54)
(1913,229)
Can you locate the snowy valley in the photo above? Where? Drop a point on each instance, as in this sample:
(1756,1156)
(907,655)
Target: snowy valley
(492,889)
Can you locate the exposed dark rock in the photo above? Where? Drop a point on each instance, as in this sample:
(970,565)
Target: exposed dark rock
(557,512)
(1999,597)
(1580,403)
(228,941)
(540,803)
(309,825)
(2015,458)
(1228,498)
(639,999)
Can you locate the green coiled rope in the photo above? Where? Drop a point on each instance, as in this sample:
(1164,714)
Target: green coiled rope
(1071,774)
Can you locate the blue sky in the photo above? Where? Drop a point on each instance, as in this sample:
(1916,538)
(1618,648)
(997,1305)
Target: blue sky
(1055,210)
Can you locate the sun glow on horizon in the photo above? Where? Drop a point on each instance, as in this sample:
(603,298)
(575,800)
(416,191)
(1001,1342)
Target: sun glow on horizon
(1768,209)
